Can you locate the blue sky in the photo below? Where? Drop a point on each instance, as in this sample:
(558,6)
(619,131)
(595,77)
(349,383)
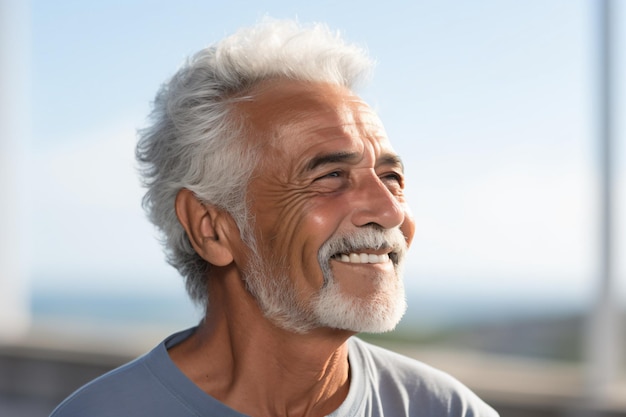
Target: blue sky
(490,102)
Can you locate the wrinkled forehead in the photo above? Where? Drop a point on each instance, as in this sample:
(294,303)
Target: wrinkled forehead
(276,106)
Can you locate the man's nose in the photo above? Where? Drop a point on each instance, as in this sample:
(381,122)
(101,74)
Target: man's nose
(375,204)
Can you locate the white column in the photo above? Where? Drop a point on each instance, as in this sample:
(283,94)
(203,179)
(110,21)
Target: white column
(14,136)
(603,336)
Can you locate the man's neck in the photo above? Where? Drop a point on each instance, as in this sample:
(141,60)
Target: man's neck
(247,363)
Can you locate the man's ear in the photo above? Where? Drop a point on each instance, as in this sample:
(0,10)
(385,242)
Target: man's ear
(204,223)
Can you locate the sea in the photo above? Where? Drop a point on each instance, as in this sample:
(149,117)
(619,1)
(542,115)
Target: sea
(424,312)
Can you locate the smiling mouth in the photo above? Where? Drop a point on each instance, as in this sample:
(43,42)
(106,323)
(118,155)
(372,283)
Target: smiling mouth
(365,258)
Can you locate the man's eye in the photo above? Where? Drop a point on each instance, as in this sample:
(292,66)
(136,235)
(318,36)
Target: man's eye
(333,174)
(393,179)
(393,176)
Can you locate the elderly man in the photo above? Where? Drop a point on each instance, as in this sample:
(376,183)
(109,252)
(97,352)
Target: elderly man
(281,202)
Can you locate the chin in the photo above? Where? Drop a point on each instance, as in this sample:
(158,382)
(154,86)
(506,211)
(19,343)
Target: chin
(376,314)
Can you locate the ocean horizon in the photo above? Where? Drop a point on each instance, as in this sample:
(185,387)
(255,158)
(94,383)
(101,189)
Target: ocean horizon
(424,310)
(542,326)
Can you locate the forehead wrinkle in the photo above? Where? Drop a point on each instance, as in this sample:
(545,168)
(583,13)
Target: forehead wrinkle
(282,114)
(349,126)
(277,102)
(274,103)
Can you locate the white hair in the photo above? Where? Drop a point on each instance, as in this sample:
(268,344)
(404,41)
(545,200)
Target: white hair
(198,141)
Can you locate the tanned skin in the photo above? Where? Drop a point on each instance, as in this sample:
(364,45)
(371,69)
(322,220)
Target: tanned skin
(326,167)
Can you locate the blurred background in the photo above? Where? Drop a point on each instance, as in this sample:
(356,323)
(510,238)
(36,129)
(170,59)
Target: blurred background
(509,115)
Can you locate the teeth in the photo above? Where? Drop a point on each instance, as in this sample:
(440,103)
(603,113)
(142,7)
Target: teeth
(363,258)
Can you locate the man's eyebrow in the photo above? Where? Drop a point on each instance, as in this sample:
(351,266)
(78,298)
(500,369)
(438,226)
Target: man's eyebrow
(390,159)
(338,157)
(330,158)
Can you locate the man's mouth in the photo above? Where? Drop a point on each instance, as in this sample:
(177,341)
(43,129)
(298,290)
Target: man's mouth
(364,257)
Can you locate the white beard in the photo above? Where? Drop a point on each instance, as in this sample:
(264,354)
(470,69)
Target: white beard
(381,311)
(379,314)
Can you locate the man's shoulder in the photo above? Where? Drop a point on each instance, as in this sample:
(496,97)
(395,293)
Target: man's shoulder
(110,394)
(138,388)
(401,377)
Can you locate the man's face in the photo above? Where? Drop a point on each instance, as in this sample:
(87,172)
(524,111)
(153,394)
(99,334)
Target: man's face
(330,218)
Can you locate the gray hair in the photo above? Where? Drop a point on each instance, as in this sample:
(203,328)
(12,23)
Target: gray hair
(196,139)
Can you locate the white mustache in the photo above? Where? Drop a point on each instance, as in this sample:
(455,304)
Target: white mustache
(391,240)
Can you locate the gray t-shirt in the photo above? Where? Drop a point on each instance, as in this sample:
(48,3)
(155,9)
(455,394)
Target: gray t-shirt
(382,383)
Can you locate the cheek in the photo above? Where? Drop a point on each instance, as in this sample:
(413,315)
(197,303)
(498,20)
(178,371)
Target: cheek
(315,223)
(320,220)
(325,218)
(293,223)
(280,220)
